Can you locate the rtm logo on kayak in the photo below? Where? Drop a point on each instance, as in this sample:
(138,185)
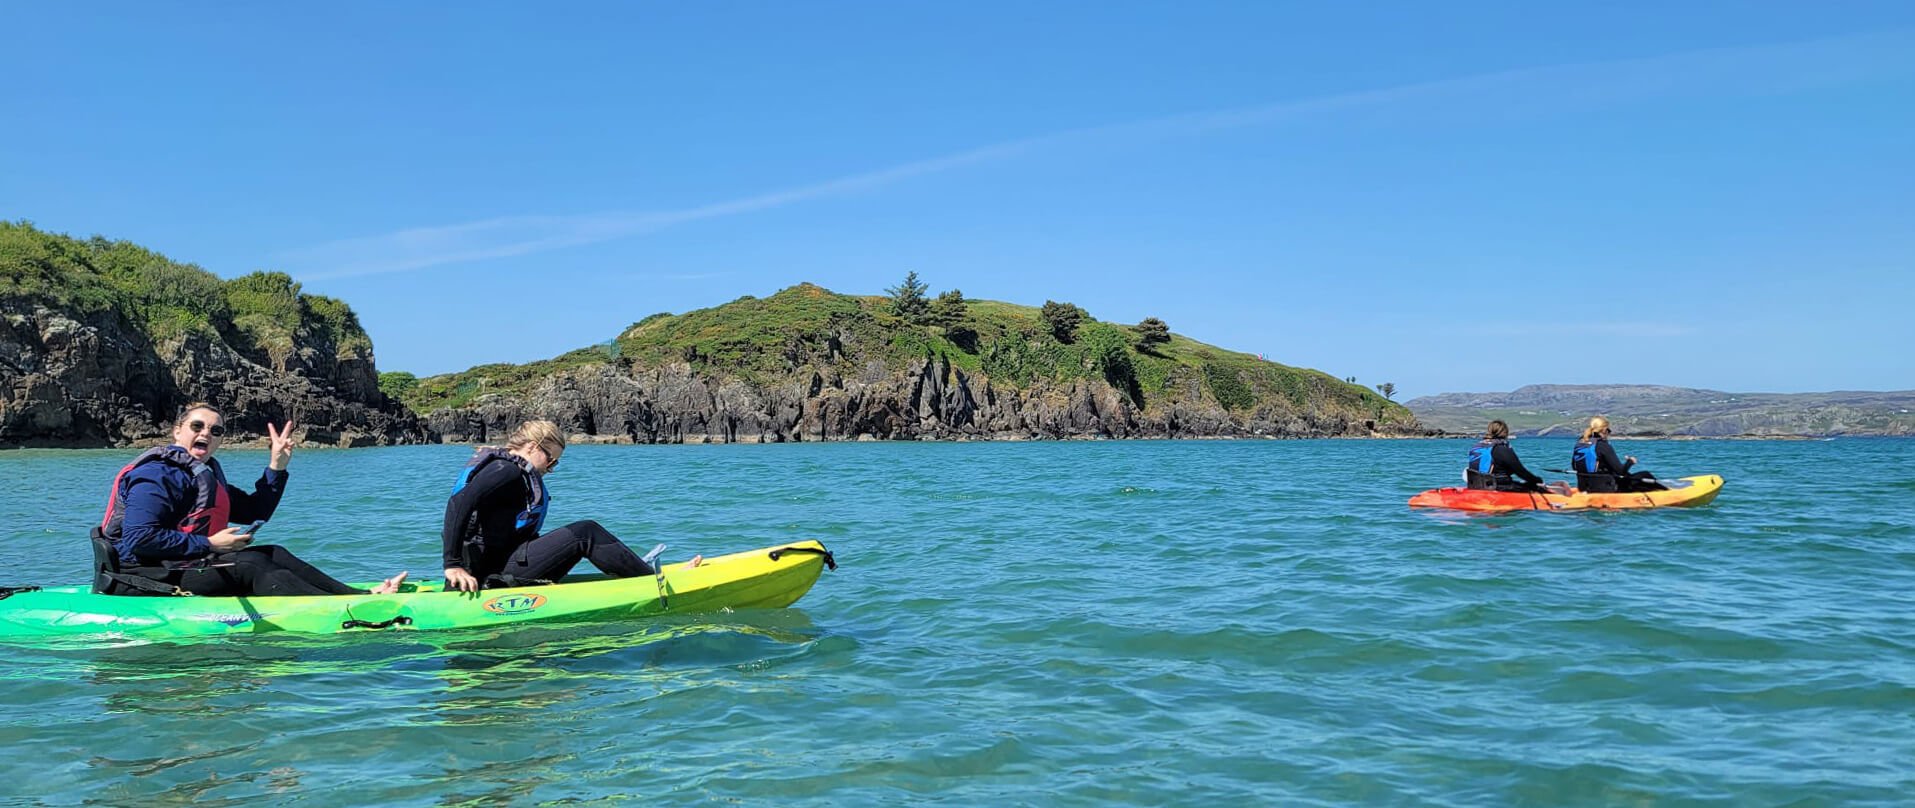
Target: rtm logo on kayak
(514,604)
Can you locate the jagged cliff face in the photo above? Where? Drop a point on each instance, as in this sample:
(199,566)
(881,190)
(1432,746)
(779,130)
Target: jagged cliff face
(807,364)
(103,342)
(70,378)
(86,381)
(929,399)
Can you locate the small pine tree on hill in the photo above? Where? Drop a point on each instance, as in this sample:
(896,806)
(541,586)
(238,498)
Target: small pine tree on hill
(908,300)
(1062,319)
(1151,333)
(949,309)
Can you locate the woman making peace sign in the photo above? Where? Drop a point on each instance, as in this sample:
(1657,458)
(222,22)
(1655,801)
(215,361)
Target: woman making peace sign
(171,510)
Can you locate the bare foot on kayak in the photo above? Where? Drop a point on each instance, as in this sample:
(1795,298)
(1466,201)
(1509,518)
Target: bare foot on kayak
(390,585)
(696,560)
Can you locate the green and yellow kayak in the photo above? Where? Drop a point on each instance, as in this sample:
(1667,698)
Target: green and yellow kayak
(767,578)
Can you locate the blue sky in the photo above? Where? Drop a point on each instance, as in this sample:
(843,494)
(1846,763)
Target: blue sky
(1445,196)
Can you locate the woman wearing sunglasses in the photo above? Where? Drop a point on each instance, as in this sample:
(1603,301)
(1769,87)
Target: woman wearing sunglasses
(498,507)
(171,512)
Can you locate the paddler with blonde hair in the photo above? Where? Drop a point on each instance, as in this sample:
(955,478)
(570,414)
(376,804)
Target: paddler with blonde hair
(494,519)
(1600,471)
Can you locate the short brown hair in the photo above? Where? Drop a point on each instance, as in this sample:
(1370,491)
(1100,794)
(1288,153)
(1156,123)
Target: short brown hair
(1498,429)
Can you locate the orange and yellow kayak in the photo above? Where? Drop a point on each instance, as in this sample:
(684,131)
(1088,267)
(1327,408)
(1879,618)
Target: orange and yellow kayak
(1686,492)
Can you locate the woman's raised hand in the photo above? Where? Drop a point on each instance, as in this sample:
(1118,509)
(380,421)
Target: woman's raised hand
(282,445)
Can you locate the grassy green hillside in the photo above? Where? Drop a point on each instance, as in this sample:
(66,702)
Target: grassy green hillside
(167,300)
(765,339)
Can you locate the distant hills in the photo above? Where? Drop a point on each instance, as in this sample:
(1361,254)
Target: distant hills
(1650,410)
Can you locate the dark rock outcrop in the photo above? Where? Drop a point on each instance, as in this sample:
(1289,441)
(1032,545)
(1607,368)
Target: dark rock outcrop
(75,378)
(102,343)
(928,400)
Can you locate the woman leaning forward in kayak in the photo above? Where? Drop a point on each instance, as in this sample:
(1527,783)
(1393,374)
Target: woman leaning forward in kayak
(170,512)
(497,508)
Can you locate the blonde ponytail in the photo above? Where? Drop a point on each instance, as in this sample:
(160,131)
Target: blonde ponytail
(1596,424)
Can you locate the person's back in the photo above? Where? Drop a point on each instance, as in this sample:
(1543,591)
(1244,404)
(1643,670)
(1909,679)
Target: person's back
(1481,474)
(1599,470)
(1594,475)
(1493,465)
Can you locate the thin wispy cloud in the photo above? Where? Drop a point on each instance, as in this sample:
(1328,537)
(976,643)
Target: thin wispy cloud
(419,248)
(1609,329)
(1526,91)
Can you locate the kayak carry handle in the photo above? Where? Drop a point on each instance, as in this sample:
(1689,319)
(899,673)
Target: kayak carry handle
(830,562)
(658,574)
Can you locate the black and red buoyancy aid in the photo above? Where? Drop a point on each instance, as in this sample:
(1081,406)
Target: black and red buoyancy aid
(211,509)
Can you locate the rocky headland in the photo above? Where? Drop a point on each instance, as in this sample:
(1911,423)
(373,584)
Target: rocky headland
(102,342)
(808,364)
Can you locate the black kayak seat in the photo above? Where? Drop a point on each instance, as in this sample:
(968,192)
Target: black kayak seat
(1596,483)
(106,562)
(109,579)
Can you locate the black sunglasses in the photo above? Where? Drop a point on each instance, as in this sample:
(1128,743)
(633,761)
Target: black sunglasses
(215,430)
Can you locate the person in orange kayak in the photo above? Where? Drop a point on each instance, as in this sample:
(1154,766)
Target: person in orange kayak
(1600,471)
(1493,465)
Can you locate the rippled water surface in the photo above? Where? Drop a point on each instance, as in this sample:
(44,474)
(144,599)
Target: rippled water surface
(1058,623)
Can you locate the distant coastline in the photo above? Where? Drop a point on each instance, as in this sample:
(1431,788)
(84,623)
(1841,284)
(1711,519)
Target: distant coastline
(1655,411)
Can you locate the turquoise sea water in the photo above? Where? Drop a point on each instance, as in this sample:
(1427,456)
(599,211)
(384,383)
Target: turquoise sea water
(1053,623)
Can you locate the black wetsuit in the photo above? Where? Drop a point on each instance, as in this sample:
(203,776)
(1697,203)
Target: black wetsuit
(266,569)
(489,505)
(1506,473)
(1612,474)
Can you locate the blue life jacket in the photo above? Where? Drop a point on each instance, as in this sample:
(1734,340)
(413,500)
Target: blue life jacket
(537,499)
(1481,457)
(1482,474)
(1584,458)
(1591,474)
